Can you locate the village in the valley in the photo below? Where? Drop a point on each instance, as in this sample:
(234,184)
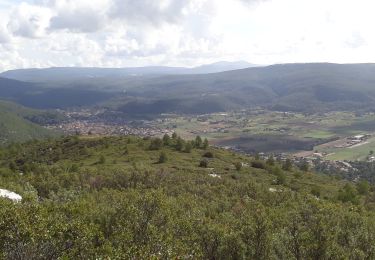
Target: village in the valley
(88,122)
(221,126)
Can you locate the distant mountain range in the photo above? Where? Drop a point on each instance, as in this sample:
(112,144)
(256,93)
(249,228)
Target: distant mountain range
(65,73)
(310,87)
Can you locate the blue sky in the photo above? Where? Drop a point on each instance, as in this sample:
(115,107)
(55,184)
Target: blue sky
(118,33)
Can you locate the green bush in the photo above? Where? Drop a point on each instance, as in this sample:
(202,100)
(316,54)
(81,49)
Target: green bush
(238,166)
(270,160)
(363,187)
(163,157)
(280,178)
(102,160)
(208,155)
(258,164)
(316,191)
(156,144)
(348,194)
(188,147)
(203,163)
(287,165)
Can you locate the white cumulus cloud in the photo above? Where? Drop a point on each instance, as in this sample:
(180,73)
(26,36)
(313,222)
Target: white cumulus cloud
(29,20)
(42,33)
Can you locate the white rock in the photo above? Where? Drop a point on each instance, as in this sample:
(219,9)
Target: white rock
(10,195)
(274,190)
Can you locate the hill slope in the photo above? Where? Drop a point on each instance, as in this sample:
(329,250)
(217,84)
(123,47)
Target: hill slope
(300,87)
(80,73)
(136,198)
(15,124)
(42,96)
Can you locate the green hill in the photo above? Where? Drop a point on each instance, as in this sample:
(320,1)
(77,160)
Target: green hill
(16,123)
(57,95)
(63,74)
(299,87)
(311,87)
(132,198)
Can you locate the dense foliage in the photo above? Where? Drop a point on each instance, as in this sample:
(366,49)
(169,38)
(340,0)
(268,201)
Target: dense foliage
(126,197)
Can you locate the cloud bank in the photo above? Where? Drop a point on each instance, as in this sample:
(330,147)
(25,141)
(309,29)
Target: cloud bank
(118,33)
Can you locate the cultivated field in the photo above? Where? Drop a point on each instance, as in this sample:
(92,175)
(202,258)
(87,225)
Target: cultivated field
(276,132)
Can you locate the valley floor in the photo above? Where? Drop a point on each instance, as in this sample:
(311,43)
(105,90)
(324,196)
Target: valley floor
(331,136)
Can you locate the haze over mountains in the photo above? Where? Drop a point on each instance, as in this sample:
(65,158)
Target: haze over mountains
(69,73)
(310,87)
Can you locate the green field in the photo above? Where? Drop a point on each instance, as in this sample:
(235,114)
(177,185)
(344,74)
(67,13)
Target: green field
(360,152)
(319,134)
(280,132)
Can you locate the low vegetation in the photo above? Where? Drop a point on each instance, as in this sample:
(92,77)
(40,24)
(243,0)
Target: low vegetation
(93,198)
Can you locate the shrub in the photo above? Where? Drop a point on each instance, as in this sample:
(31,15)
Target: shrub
(363,187)
(102,160)
(304,166)
(275,170)
(156,144)
(205,143)
(287,165)
(166,139)
(297,175)
(316,190)
(188,148)
(208,155)
(203,163)
(258,164)
(280,178)
(238,166)
(348,194)
(12,166)
(271,161)
(198,142)
(163,157)
(180,144)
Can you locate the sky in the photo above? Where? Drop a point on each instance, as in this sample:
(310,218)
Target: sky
(126,33)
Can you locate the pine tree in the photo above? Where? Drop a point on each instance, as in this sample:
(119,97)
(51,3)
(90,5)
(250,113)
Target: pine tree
(102,159)
(156,144)
(162,157)
(179,144)
(188,147)
(198,141)
(271,160)
(287,166)
(205,143)
(304,166)
(166,139)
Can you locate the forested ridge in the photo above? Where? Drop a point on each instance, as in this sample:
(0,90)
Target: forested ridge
(133,198)
(302,87)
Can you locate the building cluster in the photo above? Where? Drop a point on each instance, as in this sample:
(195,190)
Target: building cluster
(102,128)
(315,162)
(353,140)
